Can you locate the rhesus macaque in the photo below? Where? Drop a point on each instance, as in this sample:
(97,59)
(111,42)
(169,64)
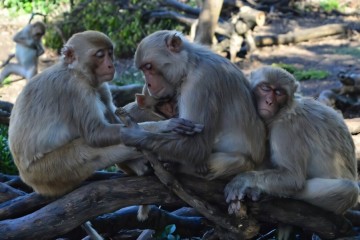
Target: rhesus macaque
(311,149)
(28,49)
(146,108)
(209,90)
(63,125)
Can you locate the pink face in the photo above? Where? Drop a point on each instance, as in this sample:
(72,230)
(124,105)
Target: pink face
(105,67)
(157,85)
(269,99)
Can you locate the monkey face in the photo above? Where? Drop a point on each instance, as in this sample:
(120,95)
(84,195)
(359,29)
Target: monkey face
(156,84)
(104,65)
(269,99)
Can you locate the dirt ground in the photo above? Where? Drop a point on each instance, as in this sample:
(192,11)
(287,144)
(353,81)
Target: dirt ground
(332,54)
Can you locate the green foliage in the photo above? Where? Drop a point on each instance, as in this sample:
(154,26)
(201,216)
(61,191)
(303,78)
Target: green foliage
(7,81)
(126,26)
(301,75)
(330,5)
(6,162)
(168,233)
(29,6)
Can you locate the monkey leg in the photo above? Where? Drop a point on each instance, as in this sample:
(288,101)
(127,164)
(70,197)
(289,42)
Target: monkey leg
(61,170)
(13,68)
(222,164)
(335,195)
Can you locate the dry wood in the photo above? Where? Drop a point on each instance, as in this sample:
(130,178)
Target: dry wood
(301,35)
(22,205)
(96,198)
(252,17)
(125,218)
(211,212)
(354,125)
(7,192)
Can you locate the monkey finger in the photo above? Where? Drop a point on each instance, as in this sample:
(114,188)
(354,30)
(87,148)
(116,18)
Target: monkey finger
(228,197)
(130,123)
(237,205)
(198,127)
(232,208)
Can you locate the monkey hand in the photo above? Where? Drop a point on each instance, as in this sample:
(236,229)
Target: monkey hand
(202,169)
(132,134)
(241,187)
(183,126)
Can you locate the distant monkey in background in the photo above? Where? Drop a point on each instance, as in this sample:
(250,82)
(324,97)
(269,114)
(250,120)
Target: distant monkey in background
(311,149)
(28,49)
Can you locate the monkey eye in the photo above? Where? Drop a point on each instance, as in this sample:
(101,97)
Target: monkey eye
(147,66)
(265,87)
(268,88)
(279,92)
(100,53)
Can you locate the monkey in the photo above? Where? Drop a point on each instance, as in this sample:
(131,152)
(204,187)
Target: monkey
(311,152)
(27,51)
(146,108)
(63,125)
(208,90)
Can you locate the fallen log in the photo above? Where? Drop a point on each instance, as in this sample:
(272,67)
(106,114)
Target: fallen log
(252,17)
(97,198)
(301,35)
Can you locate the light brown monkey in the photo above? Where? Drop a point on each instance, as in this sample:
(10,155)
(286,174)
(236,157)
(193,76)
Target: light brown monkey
(311,150)
(28,49)
(146,108)
(63,126)
(209,90)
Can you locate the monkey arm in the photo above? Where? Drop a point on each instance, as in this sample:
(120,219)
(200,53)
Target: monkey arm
(166,144)
(179,147)
(24,37)
(39,49)
(288,158)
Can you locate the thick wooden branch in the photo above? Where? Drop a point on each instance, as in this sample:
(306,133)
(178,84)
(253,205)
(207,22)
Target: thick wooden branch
(125,218)
(99,197)
(171,15)
(181,7)
(23,205)
(301,35)
(87,202)
(206,209)
(325,224)
(7,192)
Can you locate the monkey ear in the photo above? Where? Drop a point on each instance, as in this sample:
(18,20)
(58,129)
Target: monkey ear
(140,100)
(68,54)
(174,43)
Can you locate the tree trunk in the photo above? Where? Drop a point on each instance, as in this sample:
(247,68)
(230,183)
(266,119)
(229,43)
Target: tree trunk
(208,19)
